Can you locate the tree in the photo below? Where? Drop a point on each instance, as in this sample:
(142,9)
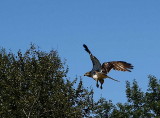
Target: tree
(34,85)
(153,96)
(139,104)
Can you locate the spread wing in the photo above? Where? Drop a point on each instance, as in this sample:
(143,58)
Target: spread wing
(95,61)
(116,65)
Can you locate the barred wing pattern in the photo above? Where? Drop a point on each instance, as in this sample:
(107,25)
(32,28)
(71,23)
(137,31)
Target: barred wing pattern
(116,65)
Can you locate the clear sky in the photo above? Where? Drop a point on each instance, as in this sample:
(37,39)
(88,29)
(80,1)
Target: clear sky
(127,30)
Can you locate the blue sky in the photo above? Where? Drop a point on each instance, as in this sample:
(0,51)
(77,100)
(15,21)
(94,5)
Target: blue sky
(113,30)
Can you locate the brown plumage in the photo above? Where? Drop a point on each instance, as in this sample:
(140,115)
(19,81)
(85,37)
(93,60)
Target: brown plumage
(116,65)
(99,72)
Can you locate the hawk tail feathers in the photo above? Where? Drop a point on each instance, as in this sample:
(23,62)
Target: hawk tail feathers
(86,49)
(112,79)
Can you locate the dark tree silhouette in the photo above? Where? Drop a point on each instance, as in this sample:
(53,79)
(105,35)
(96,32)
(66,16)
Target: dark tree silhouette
(34,84)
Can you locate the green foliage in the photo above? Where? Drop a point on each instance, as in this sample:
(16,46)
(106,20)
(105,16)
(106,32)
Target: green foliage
(103,108)
(35,85)
(140,104)
(153,96)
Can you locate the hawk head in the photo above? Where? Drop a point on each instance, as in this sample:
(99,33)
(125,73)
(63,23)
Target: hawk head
(88,74)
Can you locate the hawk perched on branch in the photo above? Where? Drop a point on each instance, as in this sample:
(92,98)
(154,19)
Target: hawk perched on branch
(99,72)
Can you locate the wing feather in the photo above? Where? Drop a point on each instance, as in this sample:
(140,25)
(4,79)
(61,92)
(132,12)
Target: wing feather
(95,61)
(96,64)
(116,65)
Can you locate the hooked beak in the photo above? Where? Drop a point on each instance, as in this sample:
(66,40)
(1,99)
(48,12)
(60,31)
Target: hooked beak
(87,74)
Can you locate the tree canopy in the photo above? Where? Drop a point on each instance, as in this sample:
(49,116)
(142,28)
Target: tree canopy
(34,84)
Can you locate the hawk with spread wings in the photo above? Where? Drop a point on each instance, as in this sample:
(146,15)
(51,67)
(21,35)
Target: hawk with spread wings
(99,72)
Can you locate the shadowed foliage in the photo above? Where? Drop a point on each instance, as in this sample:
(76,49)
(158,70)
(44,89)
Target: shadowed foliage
(34,84)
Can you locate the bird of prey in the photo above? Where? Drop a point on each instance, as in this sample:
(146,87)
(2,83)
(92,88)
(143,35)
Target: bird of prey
(99,72)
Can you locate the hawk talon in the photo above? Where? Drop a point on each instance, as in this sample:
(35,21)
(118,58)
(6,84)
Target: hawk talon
(99,71)
(97,85)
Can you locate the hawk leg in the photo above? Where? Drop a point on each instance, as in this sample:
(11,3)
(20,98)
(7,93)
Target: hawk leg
(101,86)
(97,84)
(101,81)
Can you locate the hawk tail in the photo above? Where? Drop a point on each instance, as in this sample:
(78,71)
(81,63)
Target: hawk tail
(112,78)
(86,49)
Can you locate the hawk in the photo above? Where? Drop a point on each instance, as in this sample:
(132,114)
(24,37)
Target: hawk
(99,72)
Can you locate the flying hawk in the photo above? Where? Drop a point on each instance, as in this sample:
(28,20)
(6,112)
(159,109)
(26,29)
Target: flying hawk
(99,72)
